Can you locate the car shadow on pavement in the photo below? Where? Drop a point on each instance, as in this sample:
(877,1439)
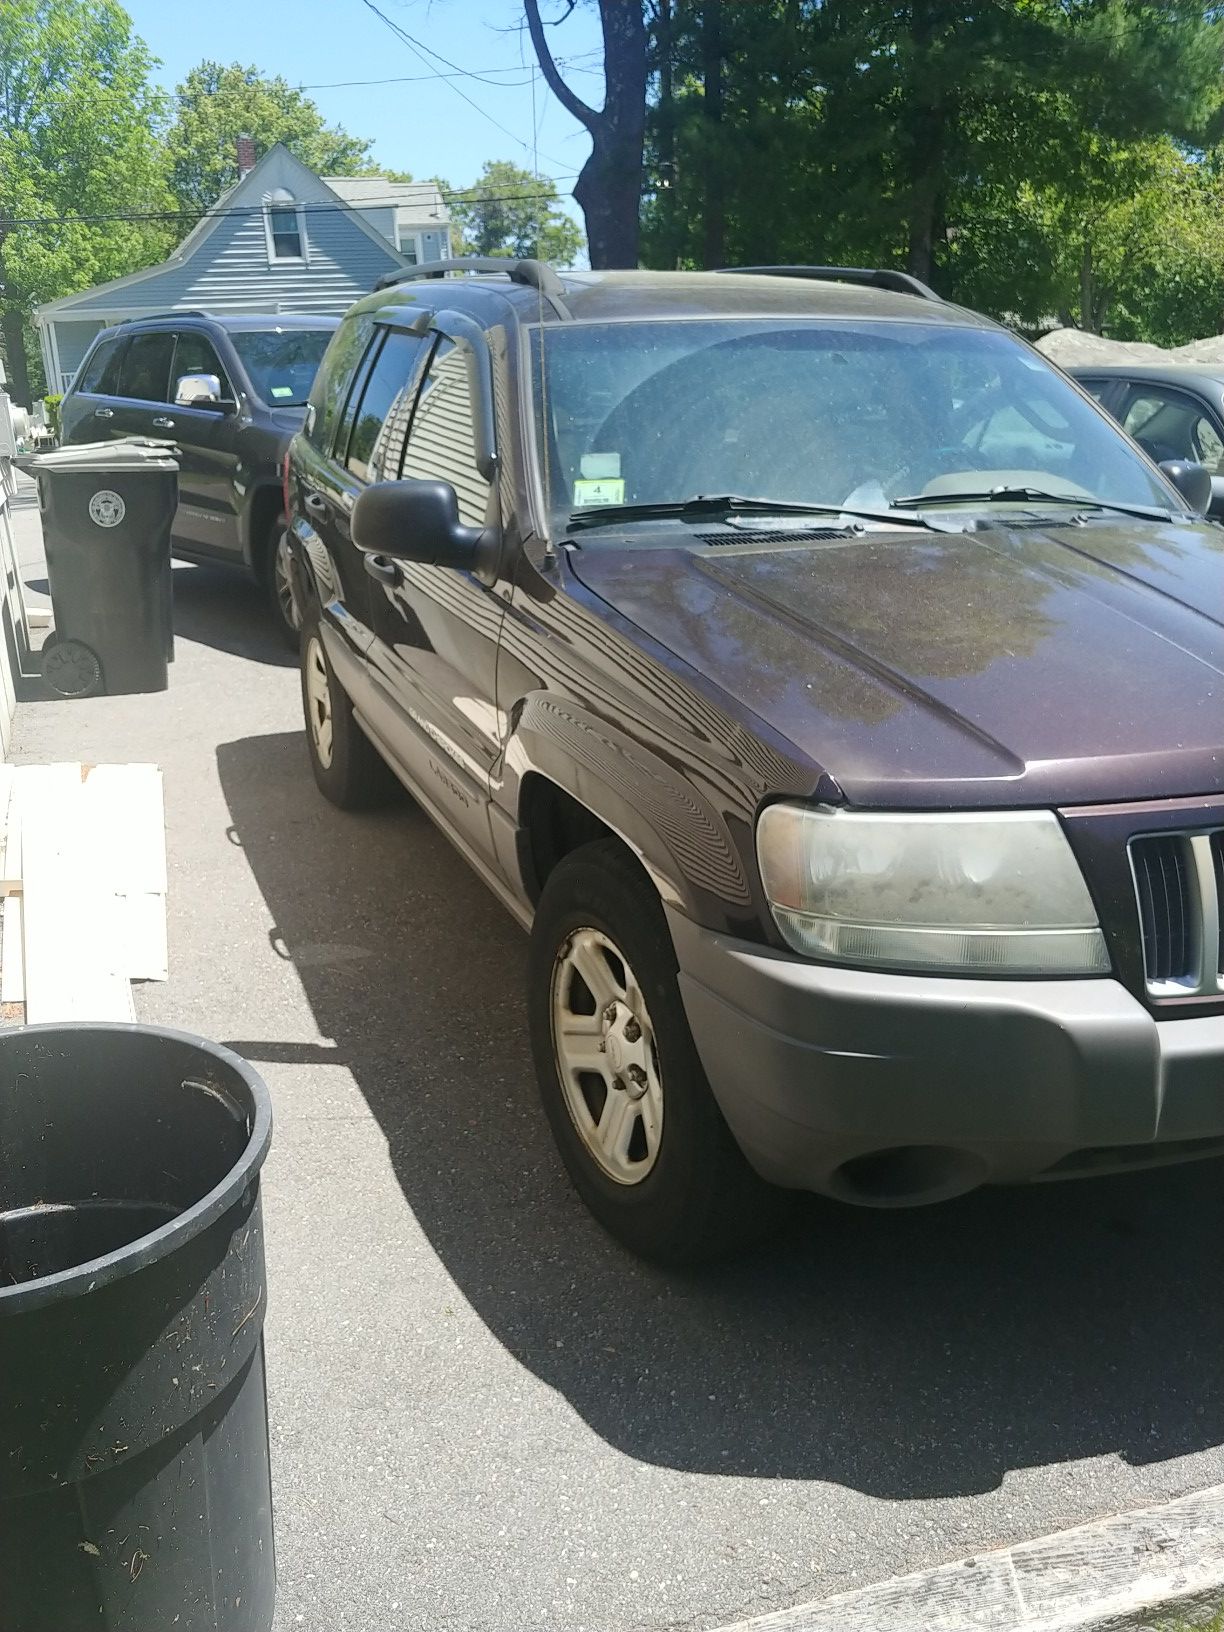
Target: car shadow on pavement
(224,609)
(905,1354)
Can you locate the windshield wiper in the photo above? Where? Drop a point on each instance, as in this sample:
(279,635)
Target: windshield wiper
(1024,495)
(709,507)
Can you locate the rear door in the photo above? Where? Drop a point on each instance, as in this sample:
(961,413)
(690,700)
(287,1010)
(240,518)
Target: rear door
(207,520)
(142,398)
(325,489)
(88,411)
(434,656)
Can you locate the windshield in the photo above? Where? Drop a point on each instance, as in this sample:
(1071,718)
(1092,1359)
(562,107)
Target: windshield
(824,412)
(282,363)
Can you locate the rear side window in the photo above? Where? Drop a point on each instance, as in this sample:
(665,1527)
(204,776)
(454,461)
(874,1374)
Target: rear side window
(145,371)
(335,378)
(380,426)
(442,442)
(101,369)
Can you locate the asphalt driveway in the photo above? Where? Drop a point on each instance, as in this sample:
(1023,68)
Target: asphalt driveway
(485,1415)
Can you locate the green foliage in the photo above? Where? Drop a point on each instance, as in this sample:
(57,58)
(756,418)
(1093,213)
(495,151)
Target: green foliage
(509,211)
(80,126)
(52,404)
(1037,158)
(215,105)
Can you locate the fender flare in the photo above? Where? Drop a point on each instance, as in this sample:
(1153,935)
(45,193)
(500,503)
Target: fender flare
(677,834)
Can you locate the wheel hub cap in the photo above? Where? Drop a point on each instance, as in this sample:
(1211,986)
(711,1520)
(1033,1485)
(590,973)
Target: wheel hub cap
(606,1054)
(318,703)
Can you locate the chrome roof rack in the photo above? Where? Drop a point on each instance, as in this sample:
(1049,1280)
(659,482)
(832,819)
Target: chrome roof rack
(885,277)
(536,273)
(161,317)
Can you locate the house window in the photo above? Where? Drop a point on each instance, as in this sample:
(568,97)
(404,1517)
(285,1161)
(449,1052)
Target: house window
(410,247)
(283,221)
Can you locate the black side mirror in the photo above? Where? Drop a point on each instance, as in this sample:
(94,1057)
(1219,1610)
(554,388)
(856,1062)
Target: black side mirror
(1192,481)
(416,520)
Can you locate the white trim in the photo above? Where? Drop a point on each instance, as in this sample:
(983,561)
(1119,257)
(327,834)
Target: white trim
(275,260)
(55,372)
(402,235)
(306,181)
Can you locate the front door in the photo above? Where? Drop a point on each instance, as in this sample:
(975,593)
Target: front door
(434,656)
(207,519)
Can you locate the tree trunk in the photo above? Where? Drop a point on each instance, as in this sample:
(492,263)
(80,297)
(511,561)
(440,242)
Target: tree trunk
(609,186)
(714,224)
(13,324)
(925,156)
(665,119)
(1095,297)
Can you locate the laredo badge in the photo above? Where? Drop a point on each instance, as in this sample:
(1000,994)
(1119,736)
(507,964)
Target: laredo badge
(107,509)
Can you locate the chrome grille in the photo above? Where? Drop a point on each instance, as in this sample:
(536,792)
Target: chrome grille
(1179,883)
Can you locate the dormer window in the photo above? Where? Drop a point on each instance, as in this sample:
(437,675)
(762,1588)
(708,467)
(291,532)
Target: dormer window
(285,227)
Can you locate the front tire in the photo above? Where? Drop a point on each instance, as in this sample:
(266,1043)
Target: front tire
(636,1123)
(347,767)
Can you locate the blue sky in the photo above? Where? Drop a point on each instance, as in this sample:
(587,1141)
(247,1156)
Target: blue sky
(424,126)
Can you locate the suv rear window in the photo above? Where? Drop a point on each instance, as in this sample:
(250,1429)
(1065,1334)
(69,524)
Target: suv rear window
(376,446)
(100,370)
(145,371)
(331,388)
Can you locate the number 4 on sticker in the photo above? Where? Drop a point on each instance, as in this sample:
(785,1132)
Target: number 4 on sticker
(602,490)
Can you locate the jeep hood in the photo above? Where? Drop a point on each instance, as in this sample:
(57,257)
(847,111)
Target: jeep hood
(1048,664)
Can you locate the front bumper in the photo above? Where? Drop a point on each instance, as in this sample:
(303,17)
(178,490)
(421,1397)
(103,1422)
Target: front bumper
(886,1089)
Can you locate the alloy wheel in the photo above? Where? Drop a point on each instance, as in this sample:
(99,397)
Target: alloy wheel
(318,701)
(606,1056)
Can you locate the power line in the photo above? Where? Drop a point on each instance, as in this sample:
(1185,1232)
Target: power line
(467,196)
(417,48)
(573,64)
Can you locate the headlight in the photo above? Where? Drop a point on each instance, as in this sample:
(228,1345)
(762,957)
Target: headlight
(996,892)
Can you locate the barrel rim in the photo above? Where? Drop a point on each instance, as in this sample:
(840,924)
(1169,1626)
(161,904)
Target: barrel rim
(158,1244)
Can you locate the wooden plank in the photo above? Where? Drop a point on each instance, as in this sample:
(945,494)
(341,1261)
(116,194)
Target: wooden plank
(12,952)
(10,853)
(75,941)
(127,821)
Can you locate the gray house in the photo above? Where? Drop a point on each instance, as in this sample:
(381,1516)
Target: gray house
(280,240)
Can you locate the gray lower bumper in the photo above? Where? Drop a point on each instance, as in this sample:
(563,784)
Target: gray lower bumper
(816,1067)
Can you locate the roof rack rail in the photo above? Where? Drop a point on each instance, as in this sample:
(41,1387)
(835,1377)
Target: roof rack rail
(884,277)
(160,317)
(536,273)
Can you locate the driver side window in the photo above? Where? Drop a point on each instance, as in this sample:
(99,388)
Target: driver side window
(195,354)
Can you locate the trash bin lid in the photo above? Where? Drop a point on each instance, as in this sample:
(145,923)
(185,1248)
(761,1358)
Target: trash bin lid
(127,453)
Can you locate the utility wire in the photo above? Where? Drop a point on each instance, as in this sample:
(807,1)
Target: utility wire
(418,50)
(573,64)
(468,196)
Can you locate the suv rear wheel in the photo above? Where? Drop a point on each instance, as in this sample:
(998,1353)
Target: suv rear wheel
(637,1126)
(347,767)
(281,583)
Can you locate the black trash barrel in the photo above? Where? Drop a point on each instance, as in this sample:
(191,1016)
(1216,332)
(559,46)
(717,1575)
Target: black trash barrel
(135,1490)
(107,514)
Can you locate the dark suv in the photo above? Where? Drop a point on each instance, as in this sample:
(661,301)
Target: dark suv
(230,391)
(829,685)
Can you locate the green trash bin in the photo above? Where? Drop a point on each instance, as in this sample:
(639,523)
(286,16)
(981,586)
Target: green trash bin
(107,513)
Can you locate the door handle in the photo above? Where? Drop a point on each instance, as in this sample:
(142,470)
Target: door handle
(316,504)
(104,413)
(163,424)
(383,569)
